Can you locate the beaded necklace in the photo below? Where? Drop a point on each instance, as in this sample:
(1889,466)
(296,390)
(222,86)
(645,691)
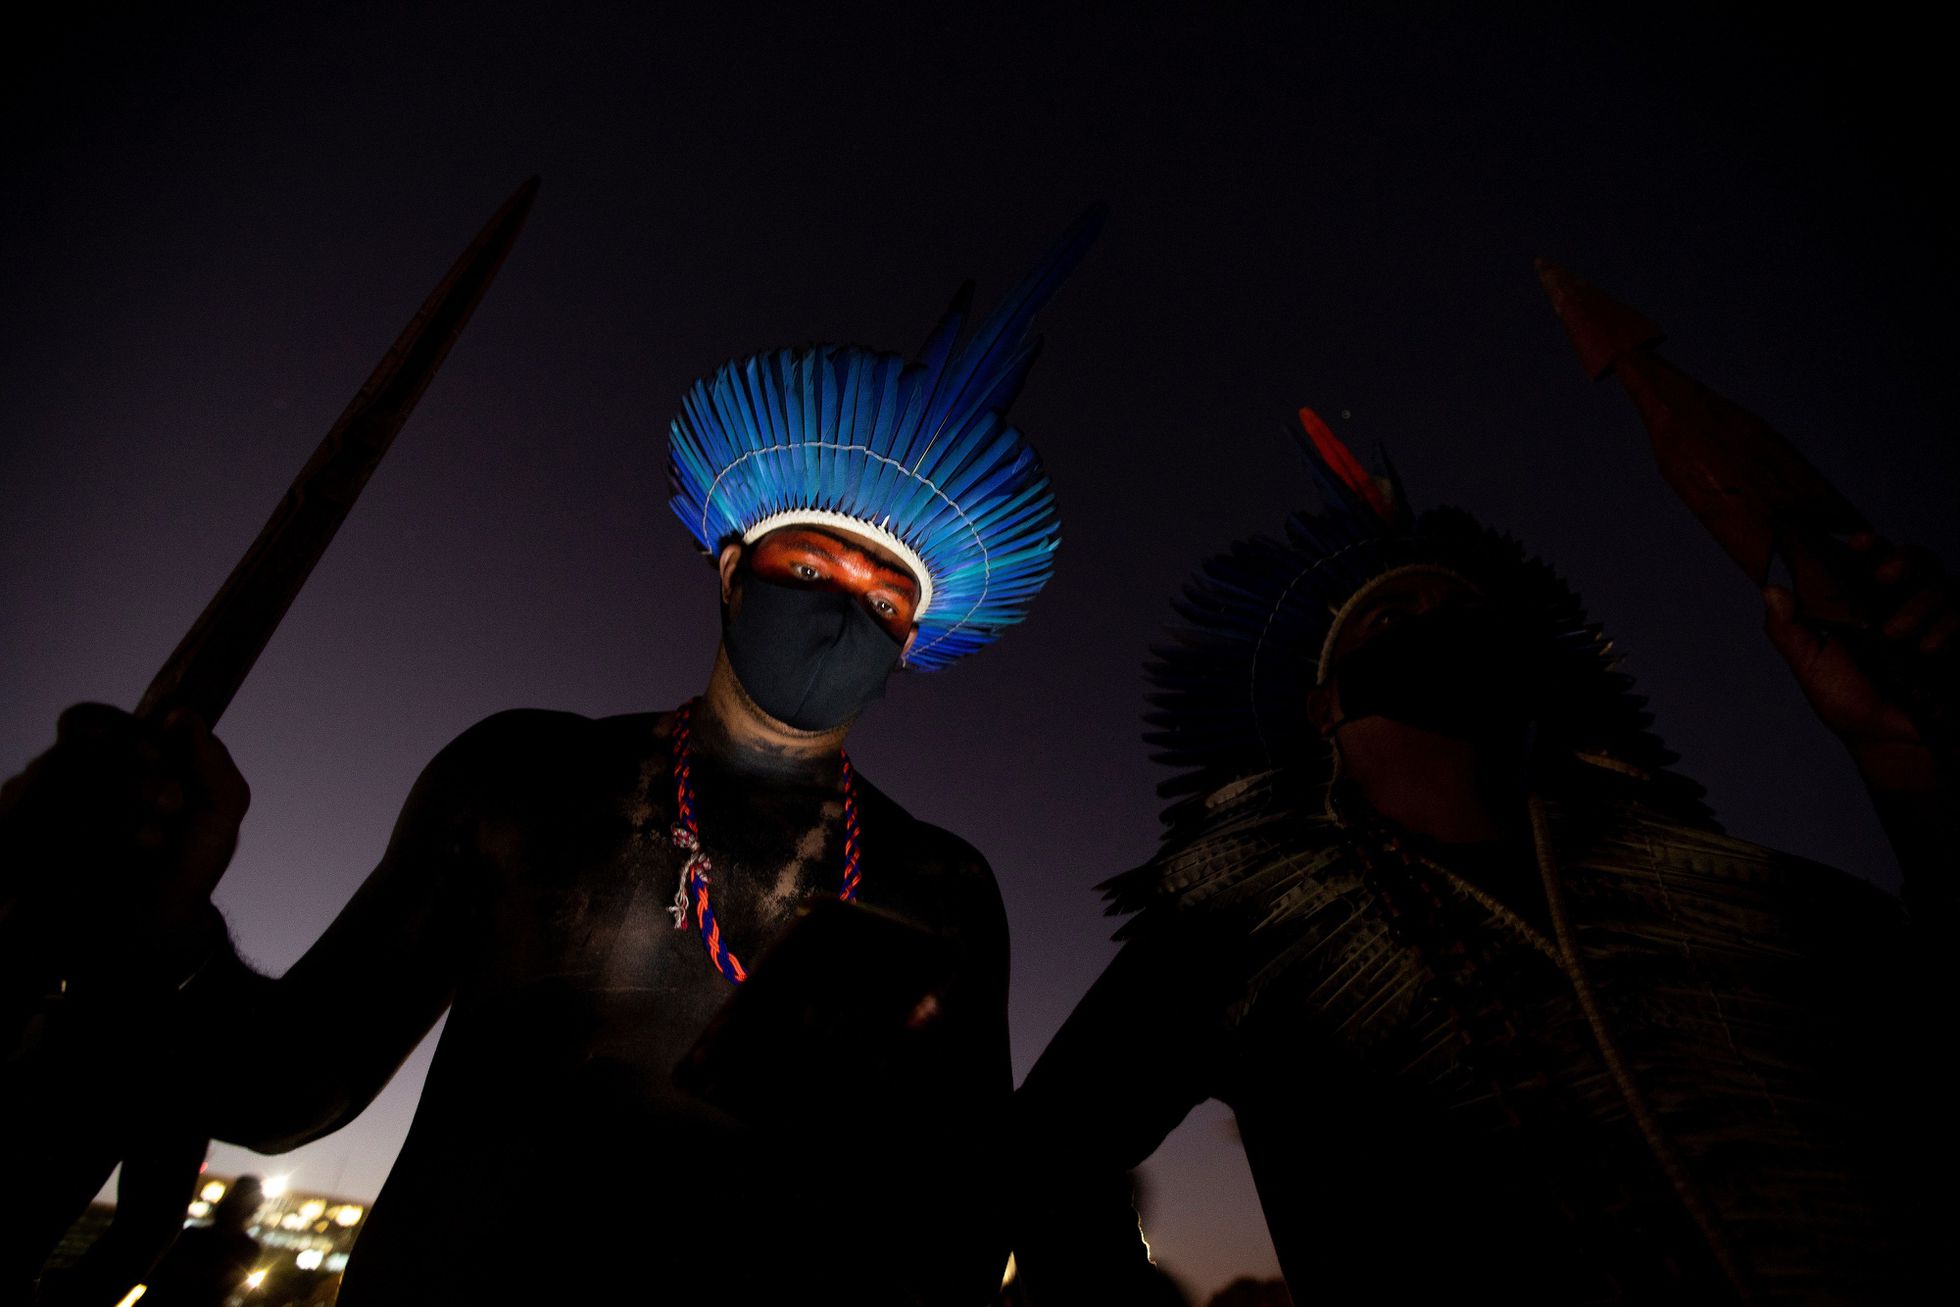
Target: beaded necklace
(694,872)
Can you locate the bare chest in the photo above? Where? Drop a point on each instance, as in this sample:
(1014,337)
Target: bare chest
(583,954)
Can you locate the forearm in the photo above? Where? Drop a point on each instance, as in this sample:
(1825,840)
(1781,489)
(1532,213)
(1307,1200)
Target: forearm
(1129,1064)
(1076,1232)
(385,970)
(230,1015)
(1078,1238)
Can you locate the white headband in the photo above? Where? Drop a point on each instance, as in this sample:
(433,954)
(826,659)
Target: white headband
(1362,595)
(851,526)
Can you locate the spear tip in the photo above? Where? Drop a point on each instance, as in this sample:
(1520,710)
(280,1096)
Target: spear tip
(1602,329)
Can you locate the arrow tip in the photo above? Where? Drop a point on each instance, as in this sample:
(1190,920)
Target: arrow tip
(1602,329)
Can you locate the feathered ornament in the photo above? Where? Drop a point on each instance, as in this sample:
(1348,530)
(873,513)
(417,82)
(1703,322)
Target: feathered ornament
(1229,688)
(916,455)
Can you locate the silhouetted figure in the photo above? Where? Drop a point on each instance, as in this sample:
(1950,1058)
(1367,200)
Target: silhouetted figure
(1502,1013)
(581,896)
(209,1263)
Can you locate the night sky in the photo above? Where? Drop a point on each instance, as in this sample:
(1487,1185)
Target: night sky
(215,223)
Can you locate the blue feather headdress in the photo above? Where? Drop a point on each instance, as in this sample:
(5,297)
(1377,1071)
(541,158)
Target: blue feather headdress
(1229,690)
(915,455)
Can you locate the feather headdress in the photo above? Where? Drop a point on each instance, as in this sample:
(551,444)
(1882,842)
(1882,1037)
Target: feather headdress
(916,455)
(1229,690)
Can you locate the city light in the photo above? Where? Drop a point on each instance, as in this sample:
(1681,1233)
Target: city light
(314,1230)
(213,1191)
(130,1298)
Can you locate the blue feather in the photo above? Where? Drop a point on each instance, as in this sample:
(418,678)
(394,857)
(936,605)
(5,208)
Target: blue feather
(921,448)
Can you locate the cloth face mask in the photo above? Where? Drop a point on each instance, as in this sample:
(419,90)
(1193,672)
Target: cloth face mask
(812,659)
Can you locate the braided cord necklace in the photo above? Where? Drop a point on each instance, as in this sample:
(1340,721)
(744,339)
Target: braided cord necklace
(695,877)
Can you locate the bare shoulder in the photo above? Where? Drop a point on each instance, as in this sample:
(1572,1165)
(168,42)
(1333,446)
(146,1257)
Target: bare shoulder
(947,881)
(519,729)
(931,848)
(531,755)
(543,736)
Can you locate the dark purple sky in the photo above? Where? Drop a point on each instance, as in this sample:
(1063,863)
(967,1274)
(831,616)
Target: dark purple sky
(214,224)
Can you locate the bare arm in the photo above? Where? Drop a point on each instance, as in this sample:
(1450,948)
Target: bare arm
(386,968)
(1129,1064)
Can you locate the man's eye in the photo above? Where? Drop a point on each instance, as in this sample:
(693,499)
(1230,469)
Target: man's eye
(884,607)
(804,572)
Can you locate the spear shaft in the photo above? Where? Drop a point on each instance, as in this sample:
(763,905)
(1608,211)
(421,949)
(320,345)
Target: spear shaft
(211,662)
(68,1114)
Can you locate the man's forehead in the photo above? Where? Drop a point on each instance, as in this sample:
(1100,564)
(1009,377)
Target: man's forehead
(830,539)
(1399,584)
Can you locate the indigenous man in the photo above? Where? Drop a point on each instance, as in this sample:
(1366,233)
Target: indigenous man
(583,896)
(1499,1009)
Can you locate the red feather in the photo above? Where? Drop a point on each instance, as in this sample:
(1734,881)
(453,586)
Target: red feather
(1345,465)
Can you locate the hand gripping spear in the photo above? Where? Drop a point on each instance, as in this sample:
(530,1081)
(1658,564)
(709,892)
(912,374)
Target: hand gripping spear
(1759,497)
(71,1113)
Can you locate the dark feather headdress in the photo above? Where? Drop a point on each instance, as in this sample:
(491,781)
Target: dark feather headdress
(1229,687)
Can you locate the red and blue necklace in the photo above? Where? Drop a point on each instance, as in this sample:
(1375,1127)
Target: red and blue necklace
(695,877)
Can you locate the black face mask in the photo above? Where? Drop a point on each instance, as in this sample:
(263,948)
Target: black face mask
(812,659)
(1466,673)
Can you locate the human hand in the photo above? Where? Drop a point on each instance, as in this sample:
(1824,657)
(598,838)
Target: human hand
(1919,620)
(113,839)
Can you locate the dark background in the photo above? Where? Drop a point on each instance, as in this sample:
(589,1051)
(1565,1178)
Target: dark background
(215,219)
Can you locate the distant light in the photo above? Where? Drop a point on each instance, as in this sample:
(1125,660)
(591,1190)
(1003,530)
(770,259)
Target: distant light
(200,1209)
(135,1293)
(274,1185)
(309,1259)
(311,1210)
(255,1279)
(336,1263)
(349,1215)
(212,1192)
(1007,1276)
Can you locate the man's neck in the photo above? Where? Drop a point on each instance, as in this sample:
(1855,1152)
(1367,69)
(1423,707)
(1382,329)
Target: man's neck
(1435,785)
(730,730)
